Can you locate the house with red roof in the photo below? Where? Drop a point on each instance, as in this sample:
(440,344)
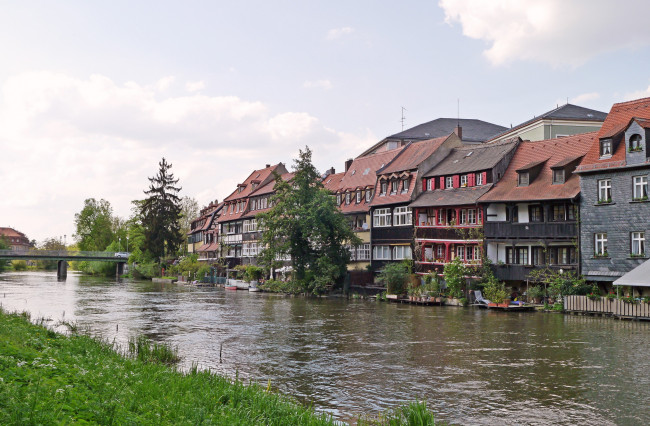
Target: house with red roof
(238,214)
(531,213)
(17,240)
(614,207)
(354,190)
(396,187)
(203,237)
(448,218)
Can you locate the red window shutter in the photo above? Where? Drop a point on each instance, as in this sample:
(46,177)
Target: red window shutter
(484,177)
(456,181)
(424,185)
(442,182)
(471,179)
(433,183)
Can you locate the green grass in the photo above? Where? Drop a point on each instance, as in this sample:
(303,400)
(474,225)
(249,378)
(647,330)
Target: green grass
(50,378)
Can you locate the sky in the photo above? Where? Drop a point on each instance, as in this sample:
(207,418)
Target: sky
(94,94)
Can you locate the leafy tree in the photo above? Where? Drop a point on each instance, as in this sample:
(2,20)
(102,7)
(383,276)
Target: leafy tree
(94,225)
(4,245)
(189,211)
(559,285)
(161,212)
(454,274)
(305,225)
(49,244)
(394,276)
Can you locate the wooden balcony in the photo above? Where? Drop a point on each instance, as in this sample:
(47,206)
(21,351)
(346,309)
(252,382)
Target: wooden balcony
(539,230)
(522,272)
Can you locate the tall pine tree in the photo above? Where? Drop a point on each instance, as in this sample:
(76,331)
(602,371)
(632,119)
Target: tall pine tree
(161,212)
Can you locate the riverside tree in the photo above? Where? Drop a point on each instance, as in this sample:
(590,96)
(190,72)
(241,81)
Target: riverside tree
(305,226)
(161,212)
(94,225)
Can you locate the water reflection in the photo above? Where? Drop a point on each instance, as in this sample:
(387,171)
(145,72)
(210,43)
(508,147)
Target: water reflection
(348,357)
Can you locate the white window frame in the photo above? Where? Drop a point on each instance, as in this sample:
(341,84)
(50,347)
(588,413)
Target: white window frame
(558,176)
(600,243)
(381,217)
(429,181)
(394,186)
(460,252)
(470,217)
(246,225)
(477,253)
(338,199)
(440,251)
(402,216)
(383,187)
(347,198)
(479,179)
(640,187)
(358,197)
(363,252)
(405,185)
(368,195)
(463,180)
(606,147)
(604,190)
(449,182)
(638,243)
(402,252)
(381,252)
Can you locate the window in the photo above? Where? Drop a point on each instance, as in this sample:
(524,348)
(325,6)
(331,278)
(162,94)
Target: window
(401,252)
(449,182)
(402,216)
(347,198)
(600,244)
(477,253)
(246,225)
(381,217)
(463,180)
(368,195)
(558,213)
(522,255)
(635,143)
(442,217)
(460,252)
(363,252)
(338,199)
(381,252)
(358,197)
(571,212)
(405,185)
(470,216)
(606,148)
(510,255)
(429,184)
(523,179)
(640,190)
(252,227)
(538,255)
(469,254)
(512,214)
(352,251)
(605,191)
(393,186)
(638,243)
(535,214)
(440,252)
(479,179)
(558,176)
(384,187)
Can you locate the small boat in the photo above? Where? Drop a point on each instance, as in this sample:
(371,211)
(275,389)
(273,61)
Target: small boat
(230,287)
(253,288)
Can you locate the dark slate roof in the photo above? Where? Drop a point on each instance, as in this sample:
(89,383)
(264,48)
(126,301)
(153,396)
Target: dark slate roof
(473,158)
(451,197)
(564,112)
(473,130)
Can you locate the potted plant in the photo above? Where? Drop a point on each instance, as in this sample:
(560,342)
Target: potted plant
(610,296)
(535,294)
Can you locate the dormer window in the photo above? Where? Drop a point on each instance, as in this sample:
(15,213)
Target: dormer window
(463,180)
(347,198)
(338,199)
(393,186)
(405,185)
(479,179)
(358,197)
(449,182)
(384,188)
(606,148)
(635,143)
(368,195)
(558,176)
(524,178)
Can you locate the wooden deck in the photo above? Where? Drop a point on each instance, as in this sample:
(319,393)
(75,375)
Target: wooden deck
(607,307)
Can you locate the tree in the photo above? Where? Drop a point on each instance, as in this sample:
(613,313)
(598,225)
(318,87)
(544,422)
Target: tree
(94,225)
(161,212)
(52,243)
(455,274)
(305,225)
(189,212)
(4,245)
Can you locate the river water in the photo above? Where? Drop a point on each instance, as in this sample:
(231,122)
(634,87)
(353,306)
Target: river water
(359,356)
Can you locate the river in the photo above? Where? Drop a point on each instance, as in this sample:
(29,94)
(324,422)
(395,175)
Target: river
(356,356)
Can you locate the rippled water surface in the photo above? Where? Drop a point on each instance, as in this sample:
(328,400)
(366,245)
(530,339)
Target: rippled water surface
(351,357)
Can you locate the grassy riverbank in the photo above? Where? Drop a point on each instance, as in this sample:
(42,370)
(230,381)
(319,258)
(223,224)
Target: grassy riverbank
(48,378)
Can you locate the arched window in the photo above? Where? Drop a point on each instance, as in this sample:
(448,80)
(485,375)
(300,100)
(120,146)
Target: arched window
(635,142)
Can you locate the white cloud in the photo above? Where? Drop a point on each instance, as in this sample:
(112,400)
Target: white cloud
(557,32)
(64,139)
(318,84)
(637,94)
(584,98)
(336,33)
(164,83)
(194,86)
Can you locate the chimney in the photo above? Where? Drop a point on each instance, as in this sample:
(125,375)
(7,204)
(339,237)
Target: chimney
(216,201)
(459,131)
(332,171)
(268,165)
(348,164)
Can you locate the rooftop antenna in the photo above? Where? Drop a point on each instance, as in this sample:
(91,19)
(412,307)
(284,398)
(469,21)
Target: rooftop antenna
(403,118)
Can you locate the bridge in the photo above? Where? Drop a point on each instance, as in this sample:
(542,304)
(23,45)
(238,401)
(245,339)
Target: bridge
(63,256)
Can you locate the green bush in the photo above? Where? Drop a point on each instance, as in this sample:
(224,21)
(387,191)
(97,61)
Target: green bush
(19,265)
(394,276)
(274,286)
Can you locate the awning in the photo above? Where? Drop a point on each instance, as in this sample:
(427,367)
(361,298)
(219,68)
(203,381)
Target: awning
(637,277)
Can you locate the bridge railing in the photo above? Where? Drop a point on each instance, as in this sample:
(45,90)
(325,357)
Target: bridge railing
(60,253)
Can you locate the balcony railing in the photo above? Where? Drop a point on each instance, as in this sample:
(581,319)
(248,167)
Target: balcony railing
(545,230)
(514,272)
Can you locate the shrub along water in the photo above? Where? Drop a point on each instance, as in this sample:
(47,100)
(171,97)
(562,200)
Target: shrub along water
(50,378)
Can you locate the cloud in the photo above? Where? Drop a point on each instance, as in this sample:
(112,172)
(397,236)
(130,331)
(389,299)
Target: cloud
(337,33)
(64,139)
(319,84)
(556,32)
(584,98)
(194,86)
(637,94)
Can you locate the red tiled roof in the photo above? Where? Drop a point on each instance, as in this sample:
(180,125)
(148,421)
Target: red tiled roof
(413,154)
(617,120)
(10,232)
(541,188)
(333,182)
(399,197)
(362,173)
(257,175)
